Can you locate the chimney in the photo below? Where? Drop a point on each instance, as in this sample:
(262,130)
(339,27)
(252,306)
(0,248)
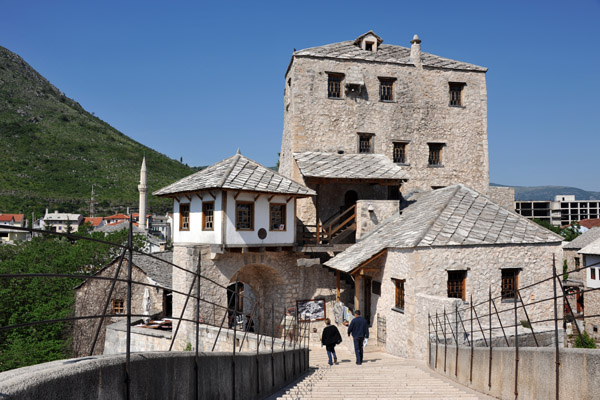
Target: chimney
(415,51)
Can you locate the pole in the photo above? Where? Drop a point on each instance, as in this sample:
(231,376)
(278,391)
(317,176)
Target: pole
(456,340)
(472,340)
(445,340)
(234,341)
(198,272)
(516,349)
(490,320)
(557,353)
(129,273)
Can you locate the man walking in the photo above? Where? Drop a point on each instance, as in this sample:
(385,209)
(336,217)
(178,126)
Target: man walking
(359,328)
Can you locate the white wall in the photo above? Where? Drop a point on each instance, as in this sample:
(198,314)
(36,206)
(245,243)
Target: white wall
(261,220)
(196,234)
(589,260)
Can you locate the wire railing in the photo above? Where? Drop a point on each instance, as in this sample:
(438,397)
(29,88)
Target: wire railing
(280,330)
(483,324)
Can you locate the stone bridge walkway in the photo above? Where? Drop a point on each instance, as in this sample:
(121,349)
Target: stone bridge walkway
(381,376)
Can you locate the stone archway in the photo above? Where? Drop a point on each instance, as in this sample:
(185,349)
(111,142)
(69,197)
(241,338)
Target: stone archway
(265,287)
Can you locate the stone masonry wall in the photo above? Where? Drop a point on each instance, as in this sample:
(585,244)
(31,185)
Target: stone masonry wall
(503,196)
(425,272)
(420,114)
(367,220)
(275,278)
(90,299)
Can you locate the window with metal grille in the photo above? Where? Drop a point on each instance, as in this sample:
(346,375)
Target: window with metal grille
(208,219)
(277,217)
(118,306)
(456,89)
(456,284)
(244,216)
(184,217)
(400,153)
(365,143)
(435,154)
(334,85)
(386,89)
(510,283)
(399,286)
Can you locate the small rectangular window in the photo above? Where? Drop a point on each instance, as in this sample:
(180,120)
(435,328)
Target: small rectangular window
(208,219)
(510,283)
(118,306)
(577,262)
(435,154)
(399,296)
(184,217)
(244,216)
(400,152)
(456,284)
(369,46)
(365,142)
(277,217)
(456,89)
(593,273)
(386,89)
(334,85)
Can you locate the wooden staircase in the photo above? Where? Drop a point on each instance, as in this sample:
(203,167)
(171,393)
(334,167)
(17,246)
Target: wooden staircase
(335,230)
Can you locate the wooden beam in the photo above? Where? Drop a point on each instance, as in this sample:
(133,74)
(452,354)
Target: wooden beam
(288,199)
(199,196)
(257,196)
(188,197)
(337,286)
(236,195)
(369,261)
(177,200)
(356,292)
(270,198)
(212,194)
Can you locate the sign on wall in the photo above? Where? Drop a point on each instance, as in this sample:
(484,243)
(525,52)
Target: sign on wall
(310,310)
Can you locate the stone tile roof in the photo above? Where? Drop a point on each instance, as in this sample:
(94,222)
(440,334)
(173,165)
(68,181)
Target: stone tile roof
(453,216)
(590,222)
(386,53)
(348,166)
(592,248)
(159,272)
(583,240)
(117,226)
(237,173)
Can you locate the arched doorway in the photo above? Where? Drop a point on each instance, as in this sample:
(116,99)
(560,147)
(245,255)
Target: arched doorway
(260,291)
(350,199)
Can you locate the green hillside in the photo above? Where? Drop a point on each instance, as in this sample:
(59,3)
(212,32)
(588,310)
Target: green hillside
(52,151)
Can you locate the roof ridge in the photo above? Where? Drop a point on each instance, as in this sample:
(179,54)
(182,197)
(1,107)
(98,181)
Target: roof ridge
(430,224)
(228,171)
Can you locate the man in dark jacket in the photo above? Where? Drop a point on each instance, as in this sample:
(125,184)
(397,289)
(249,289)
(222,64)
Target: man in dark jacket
(330,337)
(359,328)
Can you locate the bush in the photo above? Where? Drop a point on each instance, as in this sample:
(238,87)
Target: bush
(586,342)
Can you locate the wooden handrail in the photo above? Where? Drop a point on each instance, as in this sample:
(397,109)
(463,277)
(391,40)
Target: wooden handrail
(330,227)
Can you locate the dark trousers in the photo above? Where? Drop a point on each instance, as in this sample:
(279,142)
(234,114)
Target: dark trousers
(358,349)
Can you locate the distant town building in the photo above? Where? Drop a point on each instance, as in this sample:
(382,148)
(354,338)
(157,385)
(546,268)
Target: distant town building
(12,220)
(62,222)
(562,211)
(95,222)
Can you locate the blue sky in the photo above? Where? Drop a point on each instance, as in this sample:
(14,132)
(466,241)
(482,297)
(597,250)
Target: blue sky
(199,79)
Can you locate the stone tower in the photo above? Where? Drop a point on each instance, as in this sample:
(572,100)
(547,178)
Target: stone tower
(143,188)
(361,98)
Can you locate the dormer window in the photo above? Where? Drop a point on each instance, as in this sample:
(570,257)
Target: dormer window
(368,41)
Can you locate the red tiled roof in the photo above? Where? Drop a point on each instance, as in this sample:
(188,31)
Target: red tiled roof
(95,221)
(117,216)
(8,217)
(590,222)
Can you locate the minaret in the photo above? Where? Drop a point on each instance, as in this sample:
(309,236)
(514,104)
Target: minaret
(143,187)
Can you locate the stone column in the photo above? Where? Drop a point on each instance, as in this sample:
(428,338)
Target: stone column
(188,257)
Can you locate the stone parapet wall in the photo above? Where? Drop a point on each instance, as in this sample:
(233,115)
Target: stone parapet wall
(152,376)
(578,372)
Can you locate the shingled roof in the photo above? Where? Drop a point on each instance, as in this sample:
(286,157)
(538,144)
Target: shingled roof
(453,216)
(237,173)
(347,166)
(583,240)
(592,248)
(386,53)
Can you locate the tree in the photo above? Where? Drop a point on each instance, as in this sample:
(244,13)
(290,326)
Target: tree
(24,300)
(569,232)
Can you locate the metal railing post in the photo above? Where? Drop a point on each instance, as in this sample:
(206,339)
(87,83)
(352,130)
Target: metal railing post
(500,321)
(516,350)
(456,341)
(129,279)
(472,344)
(273,341)
(445,340)
(197,379)
(234,342)
(557,353)
(491,340)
